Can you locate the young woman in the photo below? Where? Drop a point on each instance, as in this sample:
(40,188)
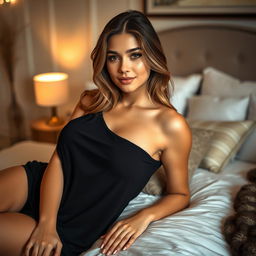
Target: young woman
(118,136)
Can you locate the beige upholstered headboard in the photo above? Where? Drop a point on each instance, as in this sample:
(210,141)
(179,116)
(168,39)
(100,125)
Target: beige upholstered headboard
(230,49)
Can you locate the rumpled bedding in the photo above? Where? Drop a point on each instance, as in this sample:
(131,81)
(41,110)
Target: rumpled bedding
(196,230)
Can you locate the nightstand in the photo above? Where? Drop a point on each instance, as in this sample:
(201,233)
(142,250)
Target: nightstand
(44,133)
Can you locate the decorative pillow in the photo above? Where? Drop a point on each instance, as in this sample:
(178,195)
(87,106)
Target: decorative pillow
(213,108)
(200,143)
(218,83)
(184,87)
(225,143)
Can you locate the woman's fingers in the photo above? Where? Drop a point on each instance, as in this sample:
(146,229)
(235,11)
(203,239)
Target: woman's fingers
(43,242)
(28,247)
(35,249)
(123,244)
(43,250)
(47,252)
(130,242)
(119,244)
(58,249)
(114,229)
(108,235)
(123,234)
(120,239)
(113,243)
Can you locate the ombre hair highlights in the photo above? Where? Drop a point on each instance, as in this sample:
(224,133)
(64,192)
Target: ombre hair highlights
(108,94)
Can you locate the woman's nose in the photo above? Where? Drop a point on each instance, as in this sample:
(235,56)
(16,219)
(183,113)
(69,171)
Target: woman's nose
(124,66)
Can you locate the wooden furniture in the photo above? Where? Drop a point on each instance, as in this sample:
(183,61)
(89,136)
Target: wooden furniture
(42,132)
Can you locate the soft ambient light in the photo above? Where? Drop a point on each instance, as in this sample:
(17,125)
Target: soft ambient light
(7,1)
(51,90)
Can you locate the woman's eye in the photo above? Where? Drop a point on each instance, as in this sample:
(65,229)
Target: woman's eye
(136,55)
(112,58)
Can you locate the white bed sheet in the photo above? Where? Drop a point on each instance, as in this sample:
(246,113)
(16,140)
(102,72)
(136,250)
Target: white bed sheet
(195,230)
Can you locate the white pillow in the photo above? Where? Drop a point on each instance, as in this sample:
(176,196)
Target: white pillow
(212,108)
(184,87)
(218,83)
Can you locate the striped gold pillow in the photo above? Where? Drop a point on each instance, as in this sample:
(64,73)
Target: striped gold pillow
(226,141)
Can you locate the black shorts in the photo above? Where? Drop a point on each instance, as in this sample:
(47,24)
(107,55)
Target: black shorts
(34,171)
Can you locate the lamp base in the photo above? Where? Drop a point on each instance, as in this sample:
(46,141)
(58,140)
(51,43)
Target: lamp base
(55,121)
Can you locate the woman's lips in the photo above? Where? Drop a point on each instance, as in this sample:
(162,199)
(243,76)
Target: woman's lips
(126,80)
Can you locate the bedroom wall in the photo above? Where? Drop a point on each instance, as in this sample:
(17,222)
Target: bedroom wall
(59,36)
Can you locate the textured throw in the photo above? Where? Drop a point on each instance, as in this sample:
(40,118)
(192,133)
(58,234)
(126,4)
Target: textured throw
(240,229)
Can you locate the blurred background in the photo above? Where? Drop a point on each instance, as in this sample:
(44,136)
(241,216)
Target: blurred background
(41,36)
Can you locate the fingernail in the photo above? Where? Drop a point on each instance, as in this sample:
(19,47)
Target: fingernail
(115,252)
(108,253)
(103,251)
(102,246)
(125,248)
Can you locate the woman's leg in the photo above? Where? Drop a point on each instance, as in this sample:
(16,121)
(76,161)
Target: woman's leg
(15,228)
(13,189)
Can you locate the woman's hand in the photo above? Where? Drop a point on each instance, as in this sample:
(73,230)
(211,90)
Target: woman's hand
(123,234)
(43,241)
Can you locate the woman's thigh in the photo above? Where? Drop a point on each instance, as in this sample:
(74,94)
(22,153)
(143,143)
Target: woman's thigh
(15,231)
(13,189)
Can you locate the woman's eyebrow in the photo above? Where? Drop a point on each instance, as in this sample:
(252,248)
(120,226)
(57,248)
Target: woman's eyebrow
(128,51)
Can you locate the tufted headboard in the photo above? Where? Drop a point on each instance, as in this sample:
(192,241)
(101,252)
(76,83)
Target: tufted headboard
(230,49)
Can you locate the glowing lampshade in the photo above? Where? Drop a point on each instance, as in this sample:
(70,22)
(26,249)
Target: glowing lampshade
(5,2)
(51,89)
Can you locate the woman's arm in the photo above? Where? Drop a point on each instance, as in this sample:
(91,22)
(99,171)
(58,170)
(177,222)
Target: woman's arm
(52,182)
(45,238)
(174,157)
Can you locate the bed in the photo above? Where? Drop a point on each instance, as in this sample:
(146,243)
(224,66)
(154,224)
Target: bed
(213,69)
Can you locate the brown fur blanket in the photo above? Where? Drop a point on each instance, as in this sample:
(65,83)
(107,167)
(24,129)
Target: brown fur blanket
(240,228)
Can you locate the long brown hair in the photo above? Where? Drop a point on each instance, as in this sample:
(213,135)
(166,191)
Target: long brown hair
(137,24)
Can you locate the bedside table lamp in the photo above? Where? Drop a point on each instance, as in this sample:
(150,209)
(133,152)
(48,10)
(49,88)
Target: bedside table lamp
(51,90)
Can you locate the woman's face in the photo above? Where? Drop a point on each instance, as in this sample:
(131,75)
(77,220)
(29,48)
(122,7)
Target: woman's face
(126,64)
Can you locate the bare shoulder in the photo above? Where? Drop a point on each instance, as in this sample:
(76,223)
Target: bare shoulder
(172,123)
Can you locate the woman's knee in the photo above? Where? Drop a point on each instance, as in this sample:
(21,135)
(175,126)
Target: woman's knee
(13,189)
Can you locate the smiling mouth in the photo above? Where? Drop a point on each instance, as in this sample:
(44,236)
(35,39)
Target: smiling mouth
(126,80)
